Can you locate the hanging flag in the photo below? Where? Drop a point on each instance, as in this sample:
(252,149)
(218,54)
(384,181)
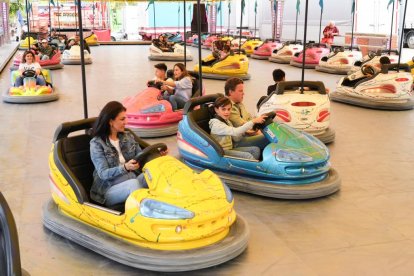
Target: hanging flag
(321,4)
(275,5)
(297,6)
(219,7)
(229,6)
(150,2)
(391,2)
(255,7)
(243,5)
(353,7)
(53,3)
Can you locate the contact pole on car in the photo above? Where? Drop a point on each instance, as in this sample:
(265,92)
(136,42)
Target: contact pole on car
(243,4)
(185,38)
(82,56)
(304,48)
(28,8)
(402,36)
(199,44)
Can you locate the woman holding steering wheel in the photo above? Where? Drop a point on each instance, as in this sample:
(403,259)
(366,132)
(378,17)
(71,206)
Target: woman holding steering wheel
(30,68)
(113,153)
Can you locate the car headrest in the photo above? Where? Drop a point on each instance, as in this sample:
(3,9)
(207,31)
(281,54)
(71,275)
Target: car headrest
(395,66)
(290,85)
(189,106)
(66,128)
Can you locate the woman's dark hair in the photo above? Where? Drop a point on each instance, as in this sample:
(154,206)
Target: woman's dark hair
(28,52)
(101,127)
(183,69)
(221,102)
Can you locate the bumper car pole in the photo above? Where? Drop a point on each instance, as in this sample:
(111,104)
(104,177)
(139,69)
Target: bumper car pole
(185,39)
(402,36)
(241,24)
(82,47)
(304,48)
(200,60)
(28,22)
(320,23)
(392,26)
(353,21)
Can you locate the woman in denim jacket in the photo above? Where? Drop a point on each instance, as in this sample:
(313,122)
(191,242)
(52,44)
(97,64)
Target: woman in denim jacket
(112,150)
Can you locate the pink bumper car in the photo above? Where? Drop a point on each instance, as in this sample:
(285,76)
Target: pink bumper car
(265,50)
(151,116)
(209,41)
(51,64)
(313,53)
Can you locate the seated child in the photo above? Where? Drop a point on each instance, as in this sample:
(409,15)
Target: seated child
(229,137)
(278,75)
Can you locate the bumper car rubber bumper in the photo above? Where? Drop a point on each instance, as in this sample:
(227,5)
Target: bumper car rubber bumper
(325,187)
(328,136)
(343,98)
(7,98)
(281,60)
(225,77)
(332,70)
(259,57)
(169,58)
(76,61)
(157,260)
(299,64)
(153,132)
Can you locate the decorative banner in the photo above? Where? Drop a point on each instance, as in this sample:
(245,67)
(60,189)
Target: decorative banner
(150,2)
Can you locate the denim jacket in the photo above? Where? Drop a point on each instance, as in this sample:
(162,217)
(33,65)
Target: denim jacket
(108,170)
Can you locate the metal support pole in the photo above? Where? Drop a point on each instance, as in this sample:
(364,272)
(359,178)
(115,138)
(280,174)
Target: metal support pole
(185,32)
(320,26)
(82,55)
(402,35)
(352,31)
(392,25)
(27,19)
(155,28)
(50,21)
(304,47)
(199,44)
(241,29)
(296,28)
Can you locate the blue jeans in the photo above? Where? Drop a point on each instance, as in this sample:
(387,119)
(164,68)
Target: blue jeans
(119,193)
(39,81)
(259,141)
(177,102)
(251,153)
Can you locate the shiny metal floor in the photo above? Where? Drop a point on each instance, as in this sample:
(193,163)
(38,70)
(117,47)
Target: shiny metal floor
(365,229)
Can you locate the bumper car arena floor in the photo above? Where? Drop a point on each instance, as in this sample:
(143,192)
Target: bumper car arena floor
(366,228)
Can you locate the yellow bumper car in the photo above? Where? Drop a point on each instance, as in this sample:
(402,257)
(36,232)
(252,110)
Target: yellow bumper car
(92,40)
(234,65)
(24,43)
(29,92)
(183,221)
(250,44)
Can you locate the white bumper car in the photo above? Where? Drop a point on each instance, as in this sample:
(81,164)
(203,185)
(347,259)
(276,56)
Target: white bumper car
(176,53)
(339,62)
(389,89)
(308,111)
(73,56)
(286,52)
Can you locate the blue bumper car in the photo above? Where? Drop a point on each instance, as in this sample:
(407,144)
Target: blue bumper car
(294,165)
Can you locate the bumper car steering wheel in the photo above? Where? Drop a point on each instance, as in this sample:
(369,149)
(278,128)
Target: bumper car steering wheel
(367,69)
(150,153)
(29,74)
(268,121)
